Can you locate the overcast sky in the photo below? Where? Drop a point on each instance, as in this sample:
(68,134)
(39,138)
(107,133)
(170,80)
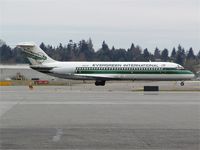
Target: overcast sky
(148,23)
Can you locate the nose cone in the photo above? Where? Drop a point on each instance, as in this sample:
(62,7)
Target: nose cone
(191,74)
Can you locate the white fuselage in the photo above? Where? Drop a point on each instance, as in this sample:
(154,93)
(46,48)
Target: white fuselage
(116,70)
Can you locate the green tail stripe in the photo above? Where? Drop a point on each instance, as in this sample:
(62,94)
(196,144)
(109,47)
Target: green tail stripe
(35,56)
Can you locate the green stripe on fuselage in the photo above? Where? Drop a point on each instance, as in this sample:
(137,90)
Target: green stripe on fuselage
(134,72)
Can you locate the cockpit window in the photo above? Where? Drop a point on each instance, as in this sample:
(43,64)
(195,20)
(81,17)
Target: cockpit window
(179,67)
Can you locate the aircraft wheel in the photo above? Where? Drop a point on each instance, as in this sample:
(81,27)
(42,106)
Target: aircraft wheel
(100,83)
(182,83)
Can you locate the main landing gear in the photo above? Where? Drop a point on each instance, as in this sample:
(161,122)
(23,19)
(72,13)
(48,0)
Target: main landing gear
(100,83)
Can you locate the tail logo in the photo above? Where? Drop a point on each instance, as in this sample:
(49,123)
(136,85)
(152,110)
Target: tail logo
(36,56)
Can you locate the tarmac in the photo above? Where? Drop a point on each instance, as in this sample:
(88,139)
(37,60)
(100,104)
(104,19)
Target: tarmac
(104,118)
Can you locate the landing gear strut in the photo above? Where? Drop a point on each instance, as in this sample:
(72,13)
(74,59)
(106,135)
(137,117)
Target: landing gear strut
(100,83)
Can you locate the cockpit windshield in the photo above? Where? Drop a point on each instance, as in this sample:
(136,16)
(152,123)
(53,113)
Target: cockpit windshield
(179,67)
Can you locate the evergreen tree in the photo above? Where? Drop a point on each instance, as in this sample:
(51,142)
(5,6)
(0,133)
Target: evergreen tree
(18,56)
(146,55)
(190,54)
(137,54)
(191,61)
(43,47)
(57,53)
(48,49)
(90,53)
(173,54)
(82,47)
(118,55)
(157,55)
(112,53)
(90,45)
(70,53)
(130,53)
(164,55)
(180,56)
(104,53)
(5,53)
(85,50)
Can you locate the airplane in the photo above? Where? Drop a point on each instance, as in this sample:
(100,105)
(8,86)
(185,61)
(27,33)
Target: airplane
(101,72)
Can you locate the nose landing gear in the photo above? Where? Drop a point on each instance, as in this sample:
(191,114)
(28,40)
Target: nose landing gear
(182,83)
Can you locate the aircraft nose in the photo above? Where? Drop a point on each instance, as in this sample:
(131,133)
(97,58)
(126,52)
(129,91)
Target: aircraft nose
(192,74)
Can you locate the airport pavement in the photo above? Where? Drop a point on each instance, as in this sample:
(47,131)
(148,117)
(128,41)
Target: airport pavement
(50,117)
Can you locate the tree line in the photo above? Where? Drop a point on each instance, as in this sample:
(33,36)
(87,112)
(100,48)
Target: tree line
(84,51)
